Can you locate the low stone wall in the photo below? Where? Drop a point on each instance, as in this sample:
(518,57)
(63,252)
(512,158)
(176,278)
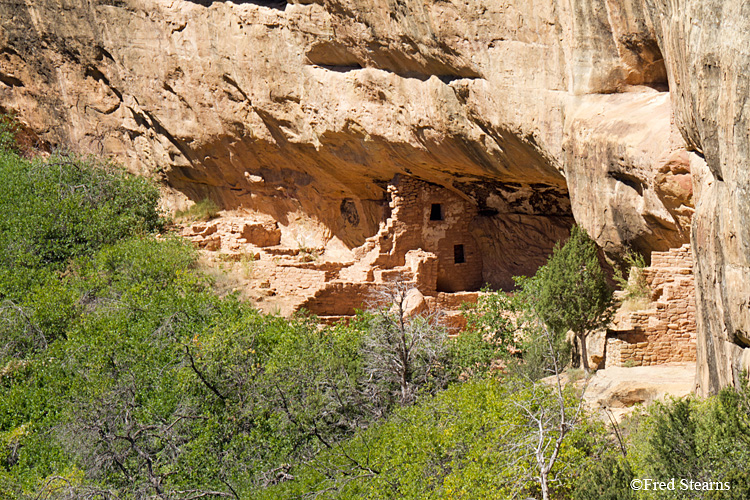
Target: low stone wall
(340,298)
(290,280)
(453,301)
(665,332)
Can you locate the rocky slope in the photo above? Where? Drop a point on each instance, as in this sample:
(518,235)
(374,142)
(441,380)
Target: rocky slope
(622,391)
(624,115)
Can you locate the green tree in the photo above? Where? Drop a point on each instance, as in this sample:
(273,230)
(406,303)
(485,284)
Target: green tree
(491,332)
(66,207)
(571,292)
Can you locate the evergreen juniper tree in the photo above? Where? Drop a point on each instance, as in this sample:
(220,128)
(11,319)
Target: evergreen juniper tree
(571,292)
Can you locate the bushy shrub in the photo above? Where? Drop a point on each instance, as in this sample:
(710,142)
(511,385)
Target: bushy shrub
(9,128)
(633,283)
(491,328)
(608,479)
(705,441)
(570,292)
(66,207)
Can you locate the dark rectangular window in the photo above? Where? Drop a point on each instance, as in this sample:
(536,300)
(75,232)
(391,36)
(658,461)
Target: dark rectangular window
(458,254)
(436,212)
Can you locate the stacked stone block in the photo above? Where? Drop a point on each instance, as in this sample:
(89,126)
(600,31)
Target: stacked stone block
(340,298)
(411,227)
(292,280)
(666,331)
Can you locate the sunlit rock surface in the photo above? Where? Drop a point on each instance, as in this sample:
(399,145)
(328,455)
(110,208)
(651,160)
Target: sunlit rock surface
(537,113)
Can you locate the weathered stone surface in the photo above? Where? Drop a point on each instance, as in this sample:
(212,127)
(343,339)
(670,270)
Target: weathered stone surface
(621,390)
(415,304)
(596,343)
(705,43)
(312,106)
(263,234)
(628,172)
(530,111)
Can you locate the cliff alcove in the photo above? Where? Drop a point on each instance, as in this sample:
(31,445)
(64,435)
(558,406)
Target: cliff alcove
(627,116)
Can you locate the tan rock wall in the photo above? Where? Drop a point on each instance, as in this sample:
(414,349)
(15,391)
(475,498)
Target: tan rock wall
(705,43)
(312,107)
(343,299)
(628,172)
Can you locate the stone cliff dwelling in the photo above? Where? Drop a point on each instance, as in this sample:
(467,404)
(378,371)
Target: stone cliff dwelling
(428,238)
(436,221)
(613,111)
(431,236)
(665,330)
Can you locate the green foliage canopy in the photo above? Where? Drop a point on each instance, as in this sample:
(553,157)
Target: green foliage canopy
(571,292)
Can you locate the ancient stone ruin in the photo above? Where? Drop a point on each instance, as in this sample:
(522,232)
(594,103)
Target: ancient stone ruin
(625,116)
(426,241)
(664,331)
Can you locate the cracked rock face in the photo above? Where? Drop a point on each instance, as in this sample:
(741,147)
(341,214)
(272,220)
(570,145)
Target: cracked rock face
(533,111)
(303,107)
(709,63)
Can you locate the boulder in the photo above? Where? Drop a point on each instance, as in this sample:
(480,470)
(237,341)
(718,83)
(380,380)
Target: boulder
(415,304)
(261,234)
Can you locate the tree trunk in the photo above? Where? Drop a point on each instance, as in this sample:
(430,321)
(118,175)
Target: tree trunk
(545,487)
(584,353)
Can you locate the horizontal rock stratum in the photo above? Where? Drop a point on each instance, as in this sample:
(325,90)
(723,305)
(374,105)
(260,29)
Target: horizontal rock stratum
(628,116)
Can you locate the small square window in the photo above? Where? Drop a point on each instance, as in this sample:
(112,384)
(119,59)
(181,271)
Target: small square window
(436,212)
(458,254)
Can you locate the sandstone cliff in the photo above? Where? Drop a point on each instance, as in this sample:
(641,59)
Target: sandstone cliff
(708,56)
(535,112)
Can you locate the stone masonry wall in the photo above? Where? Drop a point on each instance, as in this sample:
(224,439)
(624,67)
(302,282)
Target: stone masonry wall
(666,331)
(416,244)
(340,298)
(413,226)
